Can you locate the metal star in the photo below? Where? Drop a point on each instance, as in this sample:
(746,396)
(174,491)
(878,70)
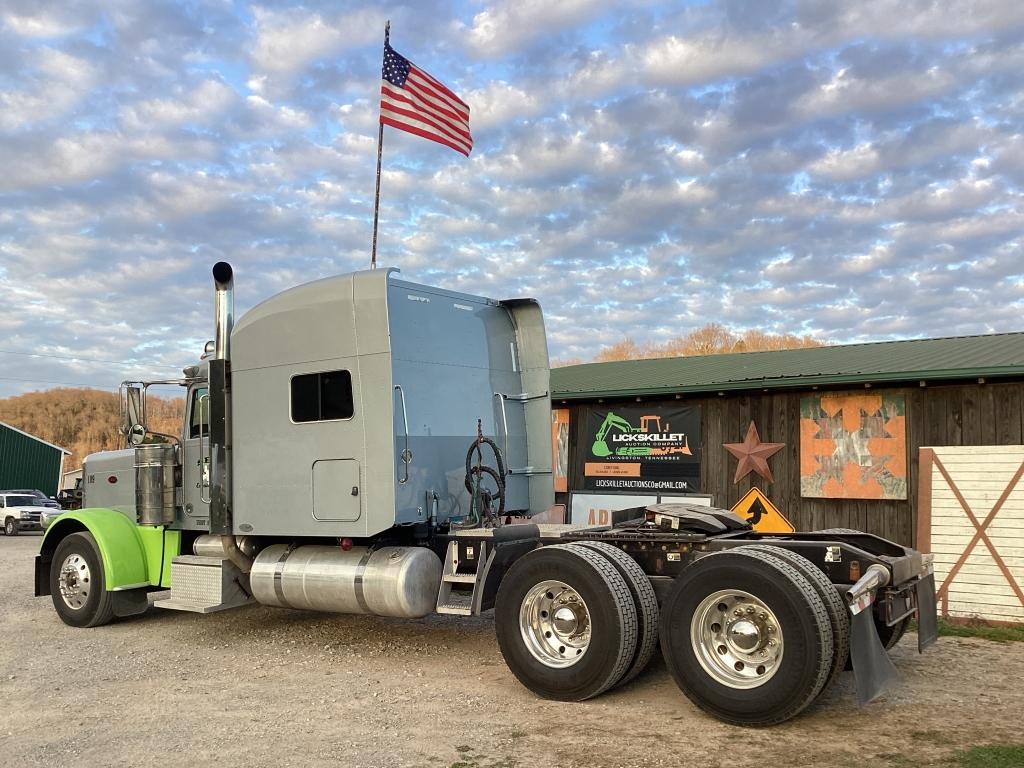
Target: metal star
(753,455)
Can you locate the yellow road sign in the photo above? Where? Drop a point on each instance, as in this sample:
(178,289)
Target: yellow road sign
(757,510)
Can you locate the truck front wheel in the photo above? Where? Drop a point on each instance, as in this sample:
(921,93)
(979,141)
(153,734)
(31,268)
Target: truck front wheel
(77,582)
(566,622)
(10,527)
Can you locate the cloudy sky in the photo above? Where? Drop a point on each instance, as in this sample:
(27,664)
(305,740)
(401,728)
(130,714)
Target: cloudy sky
(849,170)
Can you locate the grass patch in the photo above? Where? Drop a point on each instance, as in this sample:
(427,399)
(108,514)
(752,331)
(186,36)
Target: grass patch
(1008,756)
(998,634)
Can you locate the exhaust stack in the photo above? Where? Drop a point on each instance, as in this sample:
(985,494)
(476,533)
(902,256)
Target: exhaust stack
(224,309)
(220,416)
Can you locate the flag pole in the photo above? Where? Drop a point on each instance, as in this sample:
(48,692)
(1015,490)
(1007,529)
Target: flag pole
(380,146)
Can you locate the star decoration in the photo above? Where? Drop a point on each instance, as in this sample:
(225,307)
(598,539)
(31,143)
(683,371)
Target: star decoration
(753,455)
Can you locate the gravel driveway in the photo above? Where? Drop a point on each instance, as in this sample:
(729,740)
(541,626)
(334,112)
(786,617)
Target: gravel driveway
(267,687)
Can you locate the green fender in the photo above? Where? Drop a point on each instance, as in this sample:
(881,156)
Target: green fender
(133,555)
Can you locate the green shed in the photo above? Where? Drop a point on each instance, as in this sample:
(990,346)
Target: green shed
(28,462)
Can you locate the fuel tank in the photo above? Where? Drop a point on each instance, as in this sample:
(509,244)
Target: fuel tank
(390,581)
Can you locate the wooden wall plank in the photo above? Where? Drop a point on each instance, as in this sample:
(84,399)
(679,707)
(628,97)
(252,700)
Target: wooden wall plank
(1007,400)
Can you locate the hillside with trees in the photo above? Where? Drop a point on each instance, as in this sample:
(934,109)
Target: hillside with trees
(83,420)
(711,339)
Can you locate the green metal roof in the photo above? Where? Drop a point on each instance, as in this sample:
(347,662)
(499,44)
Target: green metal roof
(960,357)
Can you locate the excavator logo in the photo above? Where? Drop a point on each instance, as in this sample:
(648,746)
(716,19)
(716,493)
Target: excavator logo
(639,441)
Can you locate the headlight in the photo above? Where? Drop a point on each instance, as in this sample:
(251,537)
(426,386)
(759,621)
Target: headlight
(25,515)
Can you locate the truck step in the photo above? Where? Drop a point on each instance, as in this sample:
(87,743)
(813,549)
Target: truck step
(455,610)
(204,585)
(174,604)
(459,578)
(453,597)
(457,604)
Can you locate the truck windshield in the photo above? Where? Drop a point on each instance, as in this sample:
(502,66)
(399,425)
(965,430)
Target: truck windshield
(24,501)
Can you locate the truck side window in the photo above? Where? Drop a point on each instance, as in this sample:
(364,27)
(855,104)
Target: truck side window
(322,396)
(199,413)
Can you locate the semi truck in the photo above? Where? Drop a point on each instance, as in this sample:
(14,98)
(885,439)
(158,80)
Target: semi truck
(362,444)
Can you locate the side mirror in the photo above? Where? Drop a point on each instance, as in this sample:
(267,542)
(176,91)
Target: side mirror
(136,434)
(132,414)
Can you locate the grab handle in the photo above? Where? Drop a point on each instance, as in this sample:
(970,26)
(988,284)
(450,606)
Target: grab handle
(204,461)
(406,453)
(504,421)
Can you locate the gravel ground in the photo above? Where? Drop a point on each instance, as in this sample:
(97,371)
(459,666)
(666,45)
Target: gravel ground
(262,686)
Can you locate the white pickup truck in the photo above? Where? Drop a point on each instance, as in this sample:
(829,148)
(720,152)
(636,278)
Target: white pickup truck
(20,512)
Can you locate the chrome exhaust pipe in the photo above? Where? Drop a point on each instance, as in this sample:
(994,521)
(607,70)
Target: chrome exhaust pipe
(220,416)
(224,309)
(862,594)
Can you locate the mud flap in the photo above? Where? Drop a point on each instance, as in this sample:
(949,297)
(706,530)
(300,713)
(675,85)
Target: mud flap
(927,619)
(510,543)
(130,602)
(872,668)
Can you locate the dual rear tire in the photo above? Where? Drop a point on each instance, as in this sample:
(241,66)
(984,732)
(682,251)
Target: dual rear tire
(574,620)
(747,635)
(751,635)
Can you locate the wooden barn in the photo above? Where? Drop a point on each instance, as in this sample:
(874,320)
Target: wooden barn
(832,435)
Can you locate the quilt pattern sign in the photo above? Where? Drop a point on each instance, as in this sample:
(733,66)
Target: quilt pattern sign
(853,446)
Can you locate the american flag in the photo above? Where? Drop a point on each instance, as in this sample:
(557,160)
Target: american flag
(411,100)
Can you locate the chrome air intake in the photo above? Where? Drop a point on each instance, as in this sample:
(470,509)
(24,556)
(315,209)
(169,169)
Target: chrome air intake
(154,483)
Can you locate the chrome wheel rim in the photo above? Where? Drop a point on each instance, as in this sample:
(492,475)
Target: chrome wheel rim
(737,639)
(75,581)
(555,624)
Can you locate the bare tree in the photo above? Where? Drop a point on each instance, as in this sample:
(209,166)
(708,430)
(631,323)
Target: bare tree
(627,349)
(711,339)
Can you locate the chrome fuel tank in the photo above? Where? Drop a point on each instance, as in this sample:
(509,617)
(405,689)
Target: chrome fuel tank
(390,581)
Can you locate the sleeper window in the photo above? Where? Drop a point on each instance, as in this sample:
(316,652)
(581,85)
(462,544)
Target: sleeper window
(322,396)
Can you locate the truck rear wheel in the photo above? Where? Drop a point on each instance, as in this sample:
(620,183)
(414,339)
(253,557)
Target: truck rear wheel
(77,582)
(746,637)
(838,614)
(644,599)
(566,622)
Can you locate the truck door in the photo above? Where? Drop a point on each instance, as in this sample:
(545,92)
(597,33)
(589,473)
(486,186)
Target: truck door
(195,460)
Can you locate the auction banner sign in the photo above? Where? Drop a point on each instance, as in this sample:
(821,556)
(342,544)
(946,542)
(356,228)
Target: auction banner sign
(641,448)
